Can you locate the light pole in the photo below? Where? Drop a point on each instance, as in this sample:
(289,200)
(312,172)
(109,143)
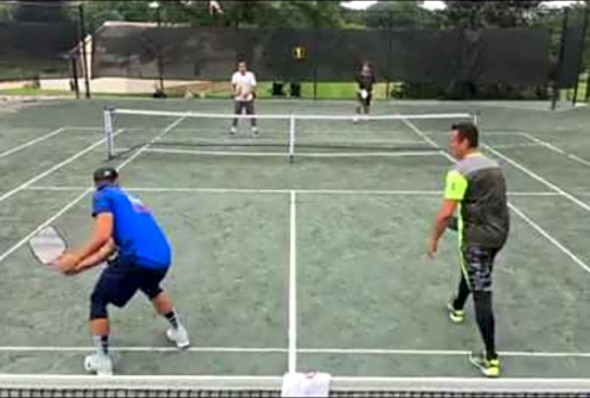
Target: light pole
(156,5)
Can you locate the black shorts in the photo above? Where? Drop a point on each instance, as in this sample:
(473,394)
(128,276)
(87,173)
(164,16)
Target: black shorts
(477,264)
(241,106)
(122,278)
(365,101)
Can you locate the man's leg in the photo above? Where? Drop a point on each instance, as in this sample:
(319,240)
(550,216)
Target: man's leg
(359,108)
(462,294)
(251,111)
(100,329)
(456,307)
(99,320)
(479,262)
(114,286)
(237,111)
(485,321)
(367,105)
(150,285)
(100,362)
(164,306)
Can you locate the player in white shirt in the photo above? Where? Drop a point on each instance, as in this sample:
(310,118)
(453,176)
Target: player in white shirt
(244,83)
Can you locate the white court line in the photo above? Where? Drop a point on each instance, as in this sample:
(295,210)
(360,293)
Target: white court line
(73,202)
(276,350)
(422,135)
(32,142)
(551,239)
(539,178)
(51,349)
(515,146)
(538,228)
(87,128)
(283,191)
(426,352)
(578,159)
(487,133)
(53,169)
(543,143)
(47,222)
(152,141)
(292,284)
(556,149)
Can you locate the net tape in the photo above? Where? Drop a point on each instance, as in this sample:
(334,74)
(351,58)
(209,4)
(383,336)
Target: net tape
(348,117)
(203,386)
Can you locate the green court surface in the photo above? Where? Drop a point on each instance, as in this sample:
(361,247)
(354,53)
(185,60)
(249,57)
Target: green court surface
(313,265)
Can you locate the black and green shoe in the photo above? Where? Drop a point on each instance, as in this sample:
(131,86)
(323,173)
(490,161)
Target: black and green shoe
(456,316)
(487,367)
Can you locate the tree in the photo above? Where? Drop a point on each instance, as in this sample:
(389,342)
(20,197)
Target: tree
(401,14)
(244,13)
(483,14)
(42,11)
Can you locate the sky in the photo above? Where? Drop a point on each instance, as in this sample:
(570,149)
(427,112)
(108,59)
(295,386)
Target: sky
(437,5)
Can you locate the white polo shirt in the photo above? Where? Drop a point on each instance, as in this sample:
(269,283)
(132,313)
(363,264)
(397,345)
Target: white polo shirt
(245,84)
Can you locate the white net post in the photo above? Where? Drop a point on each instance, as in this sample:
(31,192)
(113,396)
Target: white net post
(291,137)
(109,131)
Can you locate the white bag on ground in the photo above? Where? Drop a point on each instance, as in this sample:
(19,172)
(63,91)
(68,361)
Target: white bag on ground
(311,384)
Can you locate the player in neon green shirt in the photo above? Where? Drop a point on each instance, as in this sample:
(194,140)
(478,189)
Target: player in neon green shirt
(476,189)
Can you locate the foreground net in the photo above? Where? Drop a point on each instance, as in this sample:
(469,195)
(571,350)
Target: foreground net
(277,135)
(195,386)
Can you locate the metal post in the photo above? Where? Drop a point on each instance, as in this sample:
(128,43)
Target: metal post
(557,77)
(160,63)
(292,138)
(389,53)
(587,96)
(82,30)
(314,58)
(581,56)
(315,84)
(109,131)
(74,65)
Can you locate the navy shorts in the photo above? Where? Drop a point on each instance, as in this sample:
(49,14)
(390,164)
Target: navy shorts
(123,277)
(478,263)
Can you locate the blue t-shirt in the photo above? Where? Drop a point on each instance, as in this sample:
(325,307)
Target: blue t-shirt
(136,232)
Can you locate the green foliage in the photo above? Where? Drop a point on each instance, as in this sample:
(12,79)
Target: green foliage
(245,13)
(401,15)
(485,14)
(98,12)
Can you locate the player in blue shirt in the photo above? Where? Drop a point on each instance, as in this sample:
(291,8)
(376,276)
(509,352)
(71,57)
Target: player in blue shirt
(139,255)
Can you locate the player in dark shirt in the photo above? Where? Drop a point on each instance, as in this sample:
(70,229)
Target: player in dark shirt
(365,80)
(476,188)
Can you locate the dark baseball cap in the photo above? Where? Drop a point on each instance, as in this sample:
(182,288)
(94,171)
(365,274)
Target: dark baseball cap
(105,174)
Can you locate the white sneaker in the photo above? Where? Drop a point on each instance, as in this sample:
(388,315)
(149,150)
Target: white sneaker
(99,364)
(255,130)
(178,336)
(355,119)
(233,130)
